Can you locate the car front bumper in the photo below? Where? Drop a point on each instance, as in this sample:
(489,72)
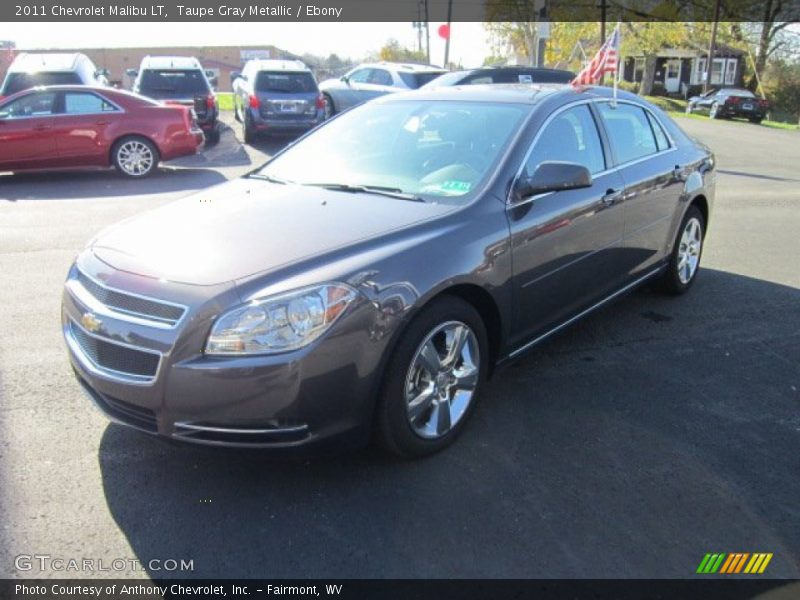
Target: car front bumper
(154,377)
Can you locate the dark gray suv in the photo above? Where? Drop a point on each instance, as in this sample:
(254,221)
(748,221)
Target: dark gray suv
(276,97)
(373,292)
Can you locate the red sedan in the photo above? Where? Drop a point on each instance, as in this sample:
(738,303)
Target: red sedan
(58,127)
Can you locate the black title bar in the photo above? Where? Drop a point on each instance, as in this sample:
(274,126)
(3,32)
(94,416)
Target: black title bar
(395,10)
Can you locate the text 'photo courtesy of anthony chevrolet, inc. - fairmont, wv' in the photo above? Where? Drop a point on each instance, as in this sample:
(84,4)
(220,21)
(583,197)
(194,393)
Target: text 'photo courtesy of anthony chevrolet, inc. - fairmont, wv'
(474,299)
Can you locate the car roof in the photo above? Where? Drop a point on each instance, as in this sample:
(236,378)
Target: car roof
(170,62)
(274,64)
(99,89)
(512,93)
(404,67)
(40,61)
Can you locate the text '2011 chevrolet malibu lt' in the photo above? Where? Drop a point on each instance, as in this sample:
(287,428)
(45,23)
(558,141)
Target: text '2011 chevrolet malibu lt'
(367,279)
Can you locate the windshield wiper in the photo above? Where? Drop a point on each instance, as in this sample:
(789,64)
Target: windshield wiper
(270,178)
(369,189)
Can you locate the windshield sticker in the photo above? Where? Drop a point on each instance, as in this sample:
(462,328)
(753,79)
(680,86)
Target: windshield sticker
(451,187)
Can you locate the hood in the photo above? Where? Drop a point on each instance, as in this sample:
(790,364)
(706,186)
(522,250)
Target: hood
(248,226)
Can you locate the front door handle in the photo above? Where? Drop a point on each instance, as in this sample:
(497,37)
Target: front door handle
(101,122)
(41,127)
(611,196)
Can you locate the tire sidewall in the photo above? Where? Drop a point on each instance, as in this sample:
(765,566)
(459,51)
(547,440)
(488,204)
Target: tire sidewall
(394,430)
(330,109)
(148,143)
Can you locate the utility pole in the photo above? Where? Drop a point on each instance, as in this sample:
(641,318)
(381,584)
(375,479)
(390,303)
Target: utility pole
(603,9)
(710,65)
(449,33)
(418,26)
(427,34)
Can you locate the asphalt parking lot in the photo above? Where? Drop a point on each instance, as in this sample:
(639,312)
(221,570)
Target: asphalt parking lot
(654,432)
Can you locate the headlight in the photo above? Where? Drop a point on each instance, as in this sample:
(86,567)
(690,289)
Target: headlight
(280,323)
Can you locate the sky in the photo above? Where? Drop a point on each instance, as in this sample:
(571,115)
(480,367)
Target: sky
(469,41)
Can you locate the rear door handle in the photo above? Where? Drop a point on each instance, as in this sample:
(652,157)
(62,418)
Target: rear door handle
(101,122)
(611,196)
(41,127)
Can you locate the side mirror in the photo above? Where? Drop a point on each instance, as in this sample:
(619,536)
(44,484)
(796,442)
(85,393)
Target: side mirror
(345,79)
(235,75)
(131,72)
(553,176)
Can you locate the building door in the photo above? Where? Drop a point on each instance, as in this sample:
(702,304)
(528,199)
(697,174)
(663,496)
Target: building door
(672,77)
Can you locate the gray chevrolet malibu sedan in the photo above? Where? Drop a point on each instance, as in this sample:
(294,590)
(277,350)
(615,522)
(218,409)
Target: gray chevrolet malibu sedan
(368,279)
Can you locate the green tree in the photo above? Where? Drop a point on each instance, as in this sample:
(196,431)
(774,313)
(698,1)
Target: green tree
(392,51)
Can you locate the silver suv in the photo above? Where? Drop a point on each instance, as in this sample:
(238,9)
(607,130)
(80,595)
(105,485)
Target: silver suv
(369,81)
(34,69)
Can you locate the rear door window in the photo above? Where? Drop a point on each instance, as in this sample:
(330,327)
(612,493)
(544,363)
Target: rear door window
(173,83)
(628,130)
(570,137)
(285,83)
(417,80)
(661,138)
(79,103)
(380,77)
(17,82)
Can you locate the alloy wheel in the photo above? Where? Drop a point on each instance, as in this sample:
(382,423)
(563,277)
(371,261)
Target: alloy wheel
(442,379)
(135,158)
(689,250)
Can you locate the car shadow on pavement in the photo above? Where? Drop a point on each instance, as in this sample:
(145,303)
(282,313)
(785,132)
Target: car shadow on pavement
(227,152)
(653,432)
(70,185)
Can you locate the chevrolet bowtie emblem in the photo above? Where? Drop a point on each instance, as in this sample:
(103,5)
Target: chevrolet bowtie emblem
(90,322)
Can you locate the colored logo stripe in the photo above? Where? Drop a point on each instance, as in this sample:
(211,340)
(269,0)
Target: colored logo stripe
(731,563)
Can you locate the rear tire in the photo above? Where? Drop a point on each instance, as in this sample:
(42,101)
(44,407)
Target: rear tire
(248,131)
(756,120)
(330,107)
(433,380)
(236,114)
(135,156)
(684,262)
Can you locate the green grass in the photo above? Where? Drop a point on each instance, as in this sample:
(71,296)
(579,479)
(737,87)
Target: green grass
(676,107)
(225,100)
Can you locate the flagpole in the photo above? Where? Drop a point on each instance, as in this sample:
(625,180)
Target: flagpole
(619,62)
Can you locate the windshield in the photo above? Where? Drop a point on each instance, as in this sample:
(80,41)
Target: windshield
(431,149)
(416,80)
(287,83)
(16,82)
(173,83)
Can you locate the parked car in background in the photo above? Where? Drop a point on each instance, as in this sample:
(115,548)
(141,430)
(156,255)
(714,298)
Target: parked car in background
(369,277)
(276,96)
(58,127)
(504,74)
(180,80)
(729,102)
(34,69)
(369,81)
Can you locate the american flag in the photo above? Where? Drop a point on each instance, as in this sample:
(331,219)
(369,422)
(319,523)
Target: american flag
(605,61)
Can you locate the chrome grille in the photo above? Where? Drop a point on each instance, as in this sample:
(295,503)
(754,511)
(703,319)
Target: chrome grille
(131,304)
(114,357)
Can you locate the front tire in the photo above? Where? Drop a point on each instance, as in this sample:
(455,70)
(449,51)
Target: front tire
(135,156)
(756,120)
(714,112)
(684,262)
(433,380)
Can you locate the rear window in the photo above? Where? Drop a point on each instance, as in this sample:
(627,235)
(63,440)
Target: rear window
(173,82)
(286,83)
(416,80)
(740,93)
(16,82)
